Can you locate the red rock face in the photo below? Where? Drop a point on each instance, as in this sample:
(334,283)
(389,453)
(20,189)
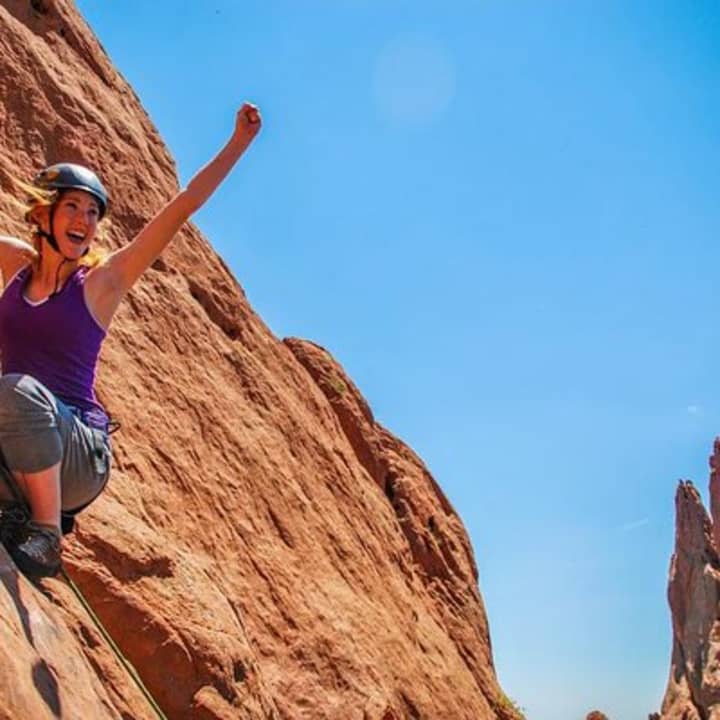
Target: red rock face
(693,690)
(265,549)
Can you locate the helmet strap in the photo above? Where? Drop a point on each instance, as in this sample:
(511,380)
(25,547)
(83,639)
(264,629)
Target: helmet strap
(50,236)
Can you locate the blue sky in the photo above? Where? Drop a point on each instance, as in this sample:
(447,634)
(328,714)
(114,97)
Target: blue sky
(502,219)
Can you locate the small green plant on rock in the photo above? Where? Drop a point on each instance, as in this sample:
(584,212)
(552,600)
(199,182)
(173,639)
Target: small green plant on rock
(337,385)
(509,706)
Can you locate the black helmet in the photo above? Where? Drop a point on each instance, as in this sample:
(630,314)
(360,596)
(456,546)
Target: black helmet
(68,176)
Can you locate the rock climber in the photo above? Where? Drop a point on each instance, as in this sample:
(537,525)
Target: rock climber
(59,297)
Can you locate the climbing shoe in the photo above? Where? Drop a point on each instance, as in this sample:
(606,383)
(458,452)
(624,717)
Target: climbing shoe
(37,551)
(14,516)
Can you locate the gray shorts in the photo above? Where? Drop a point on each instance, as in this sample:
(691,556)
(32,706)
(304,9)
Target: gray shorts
(37,431)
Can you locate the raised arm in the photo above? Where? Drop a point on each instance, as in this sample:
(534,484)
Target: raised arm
(127,264)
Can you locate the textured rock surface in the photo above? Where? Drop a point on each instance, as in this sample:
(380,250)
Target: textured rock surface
(265,549)
(693,691)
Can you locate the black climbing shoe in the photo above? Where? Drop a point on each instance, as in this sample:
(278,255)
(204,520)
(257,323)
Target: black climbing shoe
(37,552)
(14,516)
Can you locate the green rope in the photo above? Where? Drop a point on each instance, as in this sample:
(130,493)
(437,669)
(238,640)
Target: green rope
(123,660)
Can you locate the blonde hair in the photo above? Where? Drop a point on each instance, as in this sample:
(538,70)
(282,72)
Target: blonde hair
(37,198)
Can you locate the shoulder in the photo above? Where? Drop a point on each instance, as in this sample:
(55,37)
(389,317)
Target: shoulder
(11,271)
(14,255)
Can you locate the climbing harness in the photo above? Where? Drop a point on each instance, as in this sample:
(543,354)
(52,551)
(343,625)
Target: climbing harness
(67,517)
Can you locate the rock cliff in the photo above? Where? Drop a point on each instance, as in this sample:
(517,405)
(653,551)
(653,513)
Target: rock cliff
(693,691)
(265,548)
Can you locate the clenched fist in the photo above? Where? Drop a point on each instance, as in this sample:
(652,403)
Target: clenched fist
(248,122)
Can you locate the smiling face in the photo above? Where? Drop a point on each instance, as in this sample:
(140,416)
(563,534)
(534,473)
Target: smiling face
(75,222)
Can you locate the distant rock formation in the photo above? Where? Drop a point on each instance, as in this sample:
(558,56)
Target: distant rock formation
(265,548)
(693,691)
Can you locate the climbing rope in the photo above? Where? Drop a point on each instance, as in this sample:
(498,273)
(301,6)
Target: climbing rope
(113,646)
(6,475)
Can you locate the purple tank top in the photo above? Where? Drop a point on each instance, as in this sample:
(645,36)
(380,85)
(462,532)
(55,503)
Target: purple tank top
(56,341)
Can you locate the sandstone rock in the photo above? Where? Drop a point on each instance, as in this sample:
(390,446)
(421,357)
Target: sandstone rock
(265,549)
(693,689)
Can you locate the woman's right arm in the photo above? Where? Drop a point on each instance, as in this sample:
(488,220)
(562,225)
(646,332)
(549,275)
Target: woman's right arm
(14,253)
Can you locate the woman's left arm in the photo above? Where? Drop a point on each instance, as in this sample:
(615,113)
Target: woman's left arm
(126,265)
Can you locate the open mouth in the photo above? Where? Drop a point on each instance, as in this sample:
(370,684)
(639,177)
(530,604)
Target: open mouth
(76,237)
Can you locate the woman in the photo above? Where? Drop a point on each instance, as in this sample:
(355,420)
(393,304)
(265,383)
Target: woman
(55,310)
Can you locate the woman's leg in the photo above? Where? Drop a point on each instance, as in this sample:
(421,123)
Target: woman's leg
(58,464)
(6,495)
(42,491)
(32,449)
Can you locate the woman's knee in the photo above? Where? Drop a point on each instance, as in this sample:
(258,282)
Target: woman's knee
(30,439)
(9,384)
(22,394)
